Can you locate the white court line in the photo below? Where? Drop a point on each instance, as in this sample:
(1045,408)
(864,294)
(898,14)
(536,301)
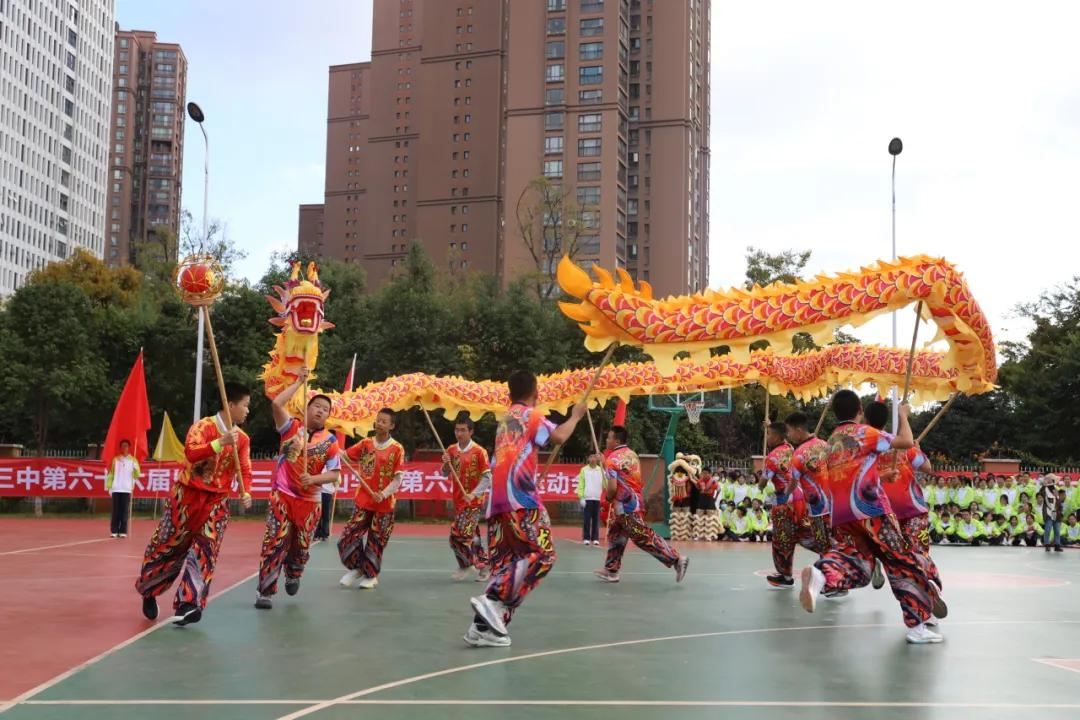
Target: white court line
(448,571)
(51,547)
(5,706)
(576,703)
(317,707)
(1051,662)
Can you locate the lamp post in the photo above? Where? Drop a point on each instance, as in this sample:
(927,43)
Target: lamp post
(196,114)
(895,148)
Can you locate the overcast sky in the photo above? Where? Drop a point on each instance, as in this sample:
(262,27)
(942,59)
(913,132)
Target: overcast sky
(805,97)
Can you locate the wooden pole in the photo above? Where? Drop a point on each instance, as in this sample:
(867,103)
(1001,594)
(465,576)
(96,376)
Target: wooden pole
(592,431)
(304,406)
(359,479)
(821,420)
(588,391)
(911,354)
(940,413)
(765,433)
(224,396)
(453,470)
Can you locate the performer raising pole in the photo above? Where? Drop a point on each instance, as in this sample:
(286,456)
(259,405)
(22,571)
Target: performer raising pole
(468,464)
(216,453)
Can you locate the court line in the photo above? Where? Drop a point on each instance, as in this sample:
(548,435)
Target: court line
(51,547)
(318,707)
(448,571)
(576,703)
(1051,662)
(20,699)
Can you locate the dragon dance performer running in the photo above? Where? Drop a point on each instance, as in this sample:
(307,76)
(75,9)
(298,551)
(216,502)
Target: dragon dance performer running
(519,529)
(189,535)
(864,527)
(470,461)
(788,508)
(624,492)
(380,461)
(906,499)
(309,457)
(809,470)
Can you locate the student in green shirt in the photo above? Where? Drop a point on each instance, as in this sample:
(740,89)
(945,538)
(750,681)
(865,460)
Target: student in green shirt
(969,530)
(965,494)
(1030,531)
(740,529)
(939,526)
(1070,534)
(759,521)
(994,532)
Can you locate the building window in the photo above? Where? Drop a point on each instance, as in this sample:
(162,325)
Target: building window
(631,207)
(588,171)
(590,123)
(556,5)
(591,27)
(589,244)
(556,26)
(553,168)
(553,145)
(555,73)
(554,120)
(590,97)
(591,75)
(591,6)
(588,147)
(588,195)
(590,219)
(555,50)
(554,96)
(591,51)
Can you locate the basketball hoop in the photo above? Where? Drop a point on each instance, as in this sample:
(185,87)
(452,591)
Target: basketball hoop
(693,410)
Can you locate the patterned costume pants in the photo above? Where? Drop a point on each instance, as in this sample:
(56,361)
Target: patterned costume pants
(916,531)
(376,528)
(186,540)
(849,562)
(791,527)
(632,526)
(290,524)
(465,538)
(521,554)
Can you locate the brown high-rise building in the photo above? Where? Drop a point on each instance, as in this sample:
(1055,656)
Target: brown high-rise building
(470,111)
(146,148)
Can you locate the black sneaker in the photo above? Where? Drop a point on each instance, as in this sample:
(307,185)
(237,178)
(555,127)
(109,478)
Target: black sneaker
(1058,548)
(149,608)
(780,581)
(187,614)
(834,594)
(263,603)
(292,586)
(1046,548)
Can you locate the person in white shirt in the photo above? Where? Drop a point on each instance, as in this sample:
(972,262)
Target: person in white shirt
(326,496)
(120,481)
(590,484)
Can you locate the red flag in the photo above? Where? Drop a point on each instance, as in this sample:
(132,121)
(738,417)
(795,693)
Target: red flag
(348,388)
(620,413)
(131,419)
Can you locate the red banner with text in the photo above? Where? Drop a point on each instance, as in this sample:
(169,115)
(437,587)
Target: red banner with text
(56,477)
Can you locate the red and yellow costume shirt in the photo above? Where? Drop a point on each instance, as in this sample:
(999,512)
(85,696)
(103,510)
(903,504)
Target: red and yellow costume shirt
(210,465)
(323,455)
(474,471)
(378,465)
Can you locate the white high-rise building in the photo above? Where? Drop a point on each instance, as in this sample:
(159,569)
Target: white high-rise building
(56,66)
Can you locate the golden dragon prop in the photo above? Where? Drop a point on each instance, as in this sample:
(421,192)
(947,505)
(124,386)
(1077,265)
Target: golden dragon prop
(664,328)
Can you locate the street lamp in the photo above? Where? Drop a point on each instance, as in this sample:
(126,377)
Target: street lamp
(195,113)
(895,148)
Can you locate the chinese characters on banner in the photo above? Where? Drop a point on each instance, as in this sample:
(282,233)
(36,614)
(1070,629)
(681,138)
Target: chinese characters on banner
(54,477)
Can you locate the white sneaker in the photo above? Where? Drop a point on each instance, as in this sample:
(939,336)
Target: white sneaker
(812,583)
(475,637)
(490,611)
(923,635)
(931,622)
(368,583)
(349,579)
(606,576)
(461,574)
(115,535)
(123,534)
(595,542)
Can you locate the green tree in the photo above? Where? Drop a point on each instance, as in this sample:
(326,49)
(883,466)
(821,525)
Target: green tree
(50,355)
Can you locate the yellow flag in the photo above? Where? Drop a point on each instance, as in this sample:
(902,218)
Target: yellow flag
(169,448)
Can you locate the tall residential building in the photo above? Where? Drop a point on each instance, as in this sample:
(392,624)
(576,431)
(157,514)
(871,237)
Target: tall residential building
(146,147)
(467,104)
(55,69)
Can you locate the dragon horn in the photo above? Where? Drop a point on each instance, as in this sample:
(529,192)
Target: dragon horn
(313,273)
(295,274)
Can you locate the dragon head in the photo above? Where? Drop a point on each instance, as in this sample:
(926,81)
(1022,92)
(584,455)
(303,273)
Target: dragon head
(300,303)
